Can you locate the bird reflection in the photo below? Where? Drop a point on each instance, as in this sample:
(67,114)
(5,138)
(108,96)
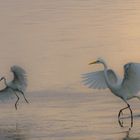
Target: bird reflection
(13,134)
(128,137)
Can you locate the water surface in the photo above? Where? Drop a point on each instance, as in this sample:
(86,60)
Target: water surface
(54,41)
(68,116)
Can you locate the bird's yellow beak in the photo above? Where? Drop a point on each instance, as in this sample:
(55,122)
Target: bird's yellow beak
(94,62)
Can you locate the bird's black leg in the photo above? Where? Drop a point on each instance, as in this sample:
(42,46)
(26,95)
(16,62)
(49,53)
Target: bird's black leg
(24,96)
(121,111)
(131,114)
(128,106)
(16,101)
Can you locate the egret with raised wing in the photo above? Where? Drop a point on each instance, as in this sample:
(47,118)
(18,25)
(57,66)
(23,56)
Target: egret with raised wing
(16,86)
(126,88)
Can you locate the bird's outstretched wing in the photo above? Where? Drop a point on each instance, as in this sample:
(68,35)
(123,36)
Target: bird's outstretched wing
(97,80)
(20,78)
(131,80)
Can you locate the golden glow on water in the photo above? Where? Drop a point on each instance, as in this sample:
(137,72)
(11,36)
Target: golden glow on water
(54,40)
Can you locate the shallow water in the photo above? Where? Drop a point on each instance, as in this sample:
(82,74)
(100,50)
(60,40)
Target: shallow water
(68,116)
(54,40)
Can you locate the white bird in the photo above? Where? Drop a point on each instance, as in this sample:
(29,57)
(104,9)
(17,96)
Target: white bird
(126,88)
(17,85)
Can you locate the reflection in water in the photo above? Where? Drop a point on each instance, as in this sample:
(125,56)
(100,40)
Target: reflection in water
(128,137)
(14,133)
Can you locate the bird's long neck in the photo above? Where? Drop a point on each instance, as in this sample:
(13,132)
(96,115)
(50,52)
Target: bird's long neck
(106,75)
(105,65)
(5,81)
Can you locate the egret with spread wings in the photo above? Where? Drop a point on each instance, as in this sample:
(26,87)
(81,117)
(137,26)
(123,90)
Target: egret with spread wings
(17,85)
(126,88)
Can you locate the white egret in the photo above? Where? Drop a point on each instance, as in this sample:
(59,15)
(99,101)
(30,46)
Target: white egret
(126,88)
(17,85)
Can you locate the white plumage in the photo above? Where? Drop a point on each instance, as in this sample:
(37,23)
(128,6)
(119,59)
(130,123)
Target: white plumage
(95,80)
(17,86)
(20,78)
(125,88)
(131,81)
